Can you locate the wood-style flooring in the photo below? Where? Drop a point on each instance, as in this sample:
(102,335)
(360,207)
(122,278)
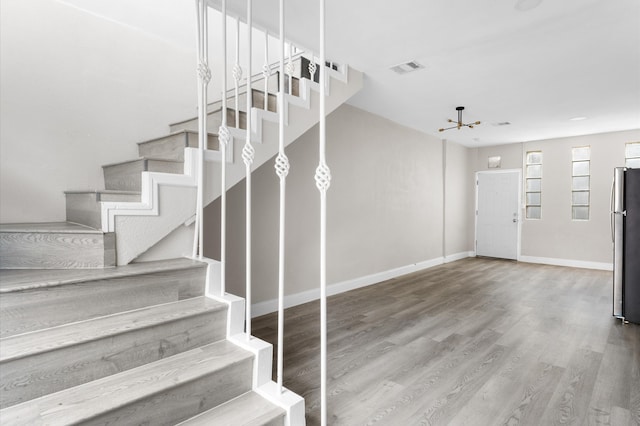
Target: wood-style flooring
(473,342)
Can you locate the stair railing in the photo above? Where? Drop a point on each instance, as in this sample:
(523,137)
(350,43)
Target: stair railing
(322,176)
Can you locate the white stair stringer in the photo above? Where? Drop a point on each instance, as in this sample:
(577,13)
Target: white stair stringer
(168,200)
(292,403)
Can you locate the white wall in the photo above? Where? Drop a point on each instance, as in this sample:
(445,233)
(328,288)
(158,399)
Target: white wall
(385,206)
(78,91)
(556,238)
(81,82)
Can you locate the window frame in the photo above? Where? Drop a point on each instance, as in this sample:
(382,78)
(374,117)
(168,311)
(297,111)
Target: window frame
(635,160)
(529,178)
(577,158)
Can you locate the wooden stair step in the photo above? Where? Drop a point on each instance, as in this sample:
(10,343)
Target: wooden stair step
(84,207)
(36,299)
(295,84)
(127,176)
(55,245)
(171,147)
(164,392)
(46,361)
(249,409)
(231,118)
(258,100)
(214,109)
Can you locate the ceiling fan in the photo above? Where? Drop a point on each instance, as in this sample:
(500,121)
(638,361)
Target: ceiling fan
(459,123)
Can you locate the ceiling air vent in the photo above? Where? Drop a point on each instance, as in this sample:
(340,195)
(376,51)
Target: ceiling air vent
(406,67)
(502,123)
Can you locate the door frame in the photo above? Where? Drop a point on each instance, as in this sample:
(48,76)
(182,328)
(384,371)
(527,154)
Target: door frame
(520,208)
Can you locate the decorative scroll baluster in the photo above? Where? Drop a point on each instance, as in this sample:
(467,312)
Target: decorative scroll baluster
(266,70)
(223,138)
(247,156)
(204,76)
(237,73)
(290,68)
(282,169)
(323,180)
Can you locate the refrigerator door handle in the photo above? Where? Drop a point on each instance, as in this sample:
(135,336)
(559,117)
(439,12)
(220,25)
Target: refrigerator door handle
(611,223)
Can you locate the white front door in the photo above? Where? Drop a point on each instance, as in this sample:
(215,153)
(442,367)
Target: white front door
(497,217)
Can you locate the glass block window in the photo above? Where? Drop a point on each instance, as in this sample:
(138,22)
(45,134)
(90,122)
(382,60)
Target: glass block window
(632,155)
(581,182)
(533,185)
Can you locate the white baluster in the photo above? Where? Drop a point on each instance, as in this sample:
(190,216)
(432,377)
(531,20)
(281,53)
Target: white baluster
(266,70)
(237,73)
(282,169)
(323,180)
(247,156)
(204,76)
(290,68)
(223,139)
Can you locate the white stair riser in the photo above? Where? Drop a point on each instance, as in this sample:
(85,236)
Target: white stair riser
(35,309)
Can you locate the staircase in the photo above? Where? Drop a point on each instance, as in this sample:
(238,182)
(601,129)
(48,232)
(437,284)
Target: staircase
(135,344)
(87,337)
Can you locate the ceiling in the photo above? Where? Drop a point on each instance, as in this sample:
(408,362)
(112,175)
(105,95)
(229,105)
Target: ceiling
(535,64)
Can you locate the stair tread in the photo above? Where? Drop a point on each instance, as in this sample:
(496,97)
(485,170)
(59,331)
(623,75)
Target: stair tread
(83,402)
(49,227)
(49,339)
(165,160)
(177,132)
(103,191)
(249,409)
(26,279)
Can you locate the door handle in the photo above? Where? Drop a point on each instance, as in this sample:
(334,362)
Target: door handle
(515,220)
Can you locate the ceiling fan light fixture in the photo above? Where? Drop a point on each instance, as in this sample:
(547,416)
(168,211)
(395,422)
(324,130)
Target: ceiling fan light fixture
(459,123)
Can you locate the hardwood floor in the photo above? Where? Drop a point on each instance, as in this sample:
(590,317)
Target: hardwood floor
(473,342)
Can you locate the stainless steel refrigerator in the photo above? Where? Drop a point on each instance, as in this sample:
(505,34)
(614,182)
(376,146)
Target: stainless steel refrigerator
(625,226)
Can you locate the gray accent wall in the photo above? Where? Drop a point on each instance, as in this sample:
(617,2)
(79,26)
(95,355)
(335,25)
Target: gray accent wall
(385,206)
(459,201)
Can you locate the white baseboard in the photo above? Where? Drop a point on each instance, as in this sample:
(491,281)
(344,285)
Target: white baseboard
(567,262)
(458,256)
(269,306)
